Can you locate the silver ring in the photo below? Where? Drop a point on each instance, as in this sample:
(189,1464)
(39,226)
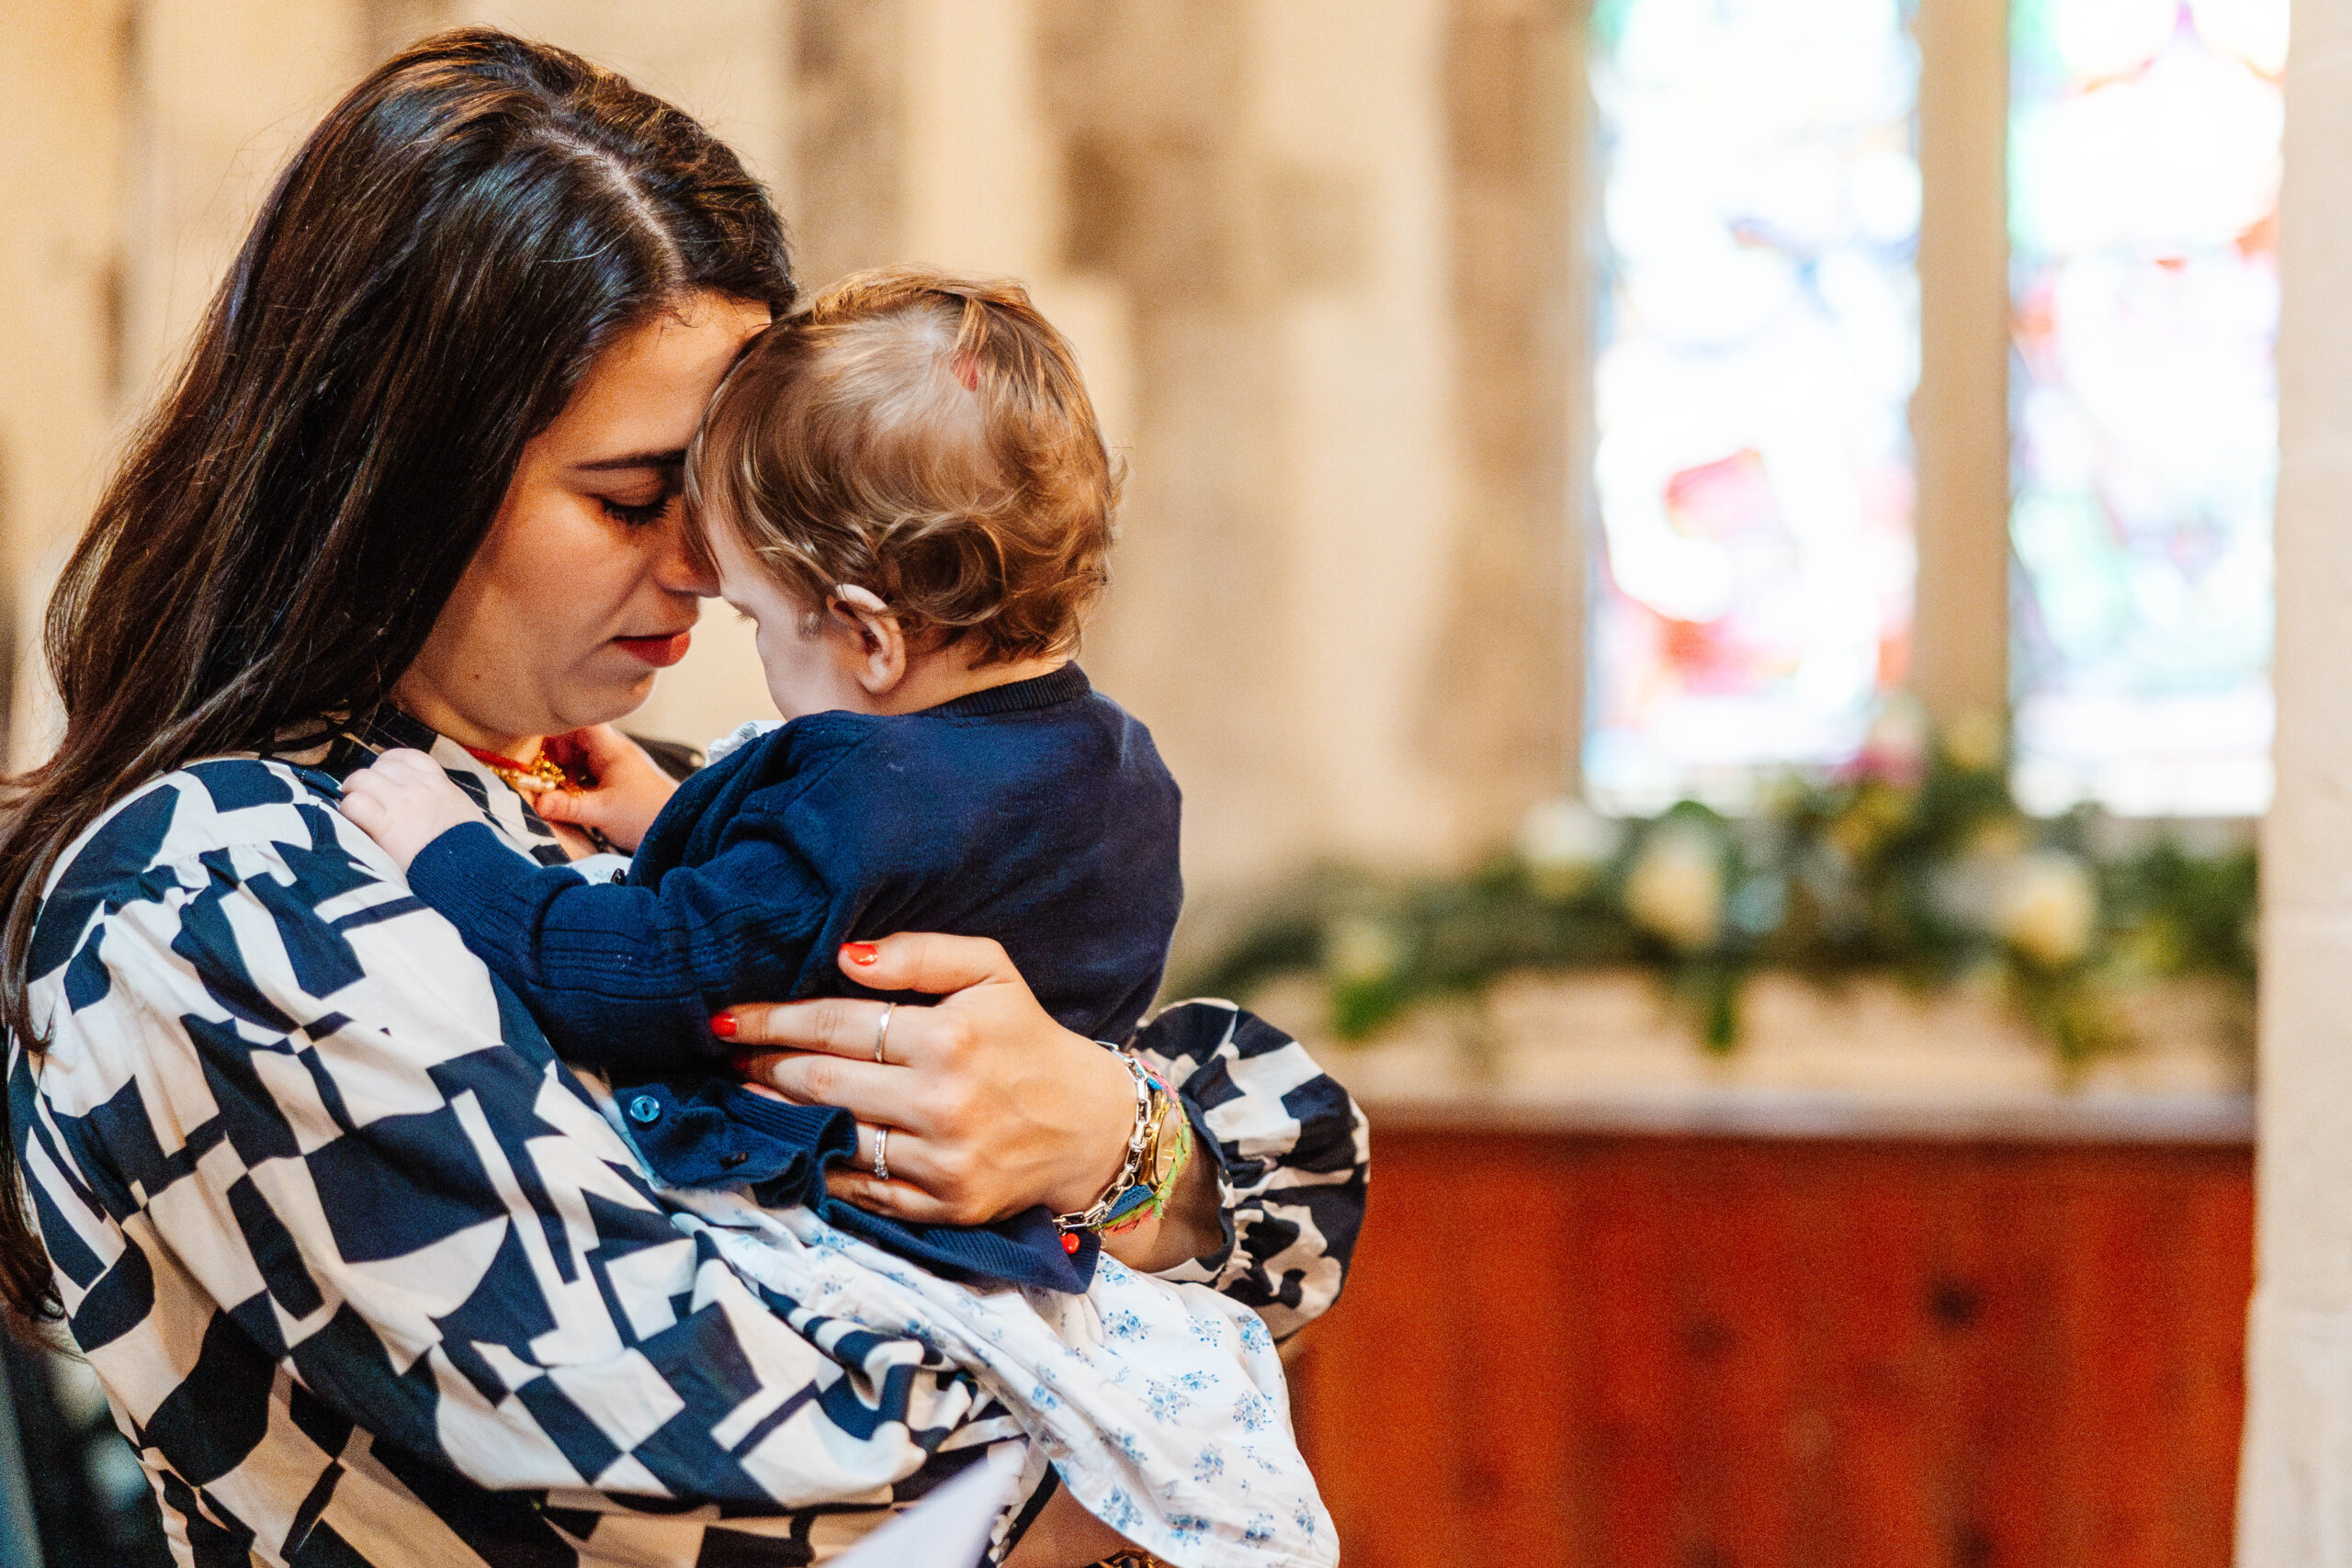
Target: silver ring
(882,1028)
(881,1153)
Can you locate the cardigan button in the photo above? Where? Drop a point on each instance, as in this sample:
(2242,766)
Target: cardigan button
(645,1109)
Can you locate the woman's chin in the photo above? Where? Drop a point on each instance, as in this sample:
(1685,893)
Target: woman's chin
(609,700)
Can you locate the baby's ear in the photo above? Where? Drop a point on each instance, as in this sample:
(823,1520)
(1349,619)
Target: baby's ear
(882,662)
(858,599)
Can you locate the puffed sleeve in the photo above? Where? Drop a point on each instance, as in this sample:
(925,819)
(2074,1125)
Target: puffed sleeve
(1292,1154)
(284,1124)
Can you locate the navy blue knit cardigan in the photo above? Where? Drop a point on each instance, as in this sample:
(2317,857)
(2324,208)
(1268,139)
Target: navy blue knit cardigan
(1036,813)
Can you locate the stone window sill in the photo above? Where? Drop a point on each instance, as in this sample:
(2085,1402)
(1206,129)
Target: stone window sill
(1606,1053)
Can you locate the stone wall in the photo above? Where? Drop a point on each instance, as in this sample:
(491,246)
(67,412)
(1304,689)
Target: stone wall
(2295,1499)
(1326,264)
(1312,255)
(65,75)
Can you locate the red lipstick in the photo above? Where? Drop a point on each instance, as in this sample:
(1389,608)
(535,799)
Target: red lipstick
(659,651)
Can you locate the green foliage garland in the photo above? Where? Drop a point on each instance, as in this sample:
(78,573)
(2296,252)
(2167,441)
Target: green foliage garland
(1917,861)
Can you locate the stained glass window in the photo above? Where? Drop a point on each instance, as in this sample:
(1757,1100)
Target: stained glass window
(2144,190)
(1757,346)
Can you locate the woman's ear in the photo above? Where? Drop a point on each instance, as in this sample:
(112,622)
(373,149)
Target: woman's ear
(881,662)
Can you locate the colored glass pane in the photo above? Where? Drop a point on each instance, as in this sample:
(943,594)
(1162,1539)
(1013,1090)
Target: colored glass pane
(1757,346)
(2144,190)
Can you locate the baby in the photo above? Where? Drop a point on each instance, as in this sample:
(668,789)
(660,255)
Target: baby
(904,486)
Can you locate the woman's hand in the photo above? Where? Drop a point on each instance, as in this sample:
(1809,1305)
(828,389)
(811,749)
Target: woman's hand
(631,789)
(991,1106)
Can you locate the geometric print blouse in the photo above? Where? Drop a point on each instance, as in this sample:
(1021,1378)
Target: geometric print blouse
(368,1279)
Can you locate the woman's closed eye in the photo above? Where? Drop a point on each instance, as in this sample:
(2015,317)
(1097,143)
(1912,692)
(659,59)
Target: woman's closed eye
(638,514)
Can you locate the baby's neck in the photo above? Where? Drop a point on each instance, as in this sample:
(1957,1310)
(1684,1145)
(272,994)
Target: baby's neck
(942,675)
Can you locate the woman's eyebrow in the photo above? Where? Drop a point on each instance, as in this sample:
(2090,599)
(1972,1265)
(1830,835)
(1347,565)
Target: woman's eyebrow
(670,459)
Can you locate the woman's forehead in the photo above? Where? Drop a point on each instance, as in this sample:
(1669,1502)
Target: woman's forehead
(644,396)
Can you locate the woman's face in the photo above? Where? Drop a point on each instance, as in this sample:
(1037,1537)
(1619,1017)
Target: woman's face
(584,587)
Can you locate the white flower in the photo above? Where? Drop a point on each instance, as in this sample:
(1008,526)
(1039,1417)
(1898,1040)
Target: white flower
(2048,910)
(1970,891)
(1676,889)
(1566,844)
(1973,887)
(1358,950)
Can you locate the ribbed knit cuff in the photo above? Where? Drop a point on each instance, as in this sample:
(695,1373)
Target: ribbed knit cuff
(790,1120)
(465,874)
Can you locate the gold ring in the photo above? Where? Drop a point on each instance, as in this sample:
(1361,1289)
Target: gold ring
(882,1028)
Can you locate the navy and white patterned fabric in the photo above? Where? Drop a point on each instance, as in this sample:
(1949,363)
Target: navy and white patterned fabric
(368,1278)
(1162,1407)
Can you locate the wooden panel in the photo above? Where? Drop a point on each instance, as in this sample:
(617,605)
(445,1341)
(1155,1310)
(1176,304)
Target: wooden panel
(1716,1353)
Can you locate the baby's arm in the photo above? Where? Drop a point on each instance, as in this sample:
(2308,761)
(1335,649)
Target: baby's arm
(616,975)
(404,801)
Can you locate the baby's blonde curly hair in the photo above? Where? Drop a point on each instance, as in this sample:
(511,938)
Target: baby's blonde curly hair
(927,438)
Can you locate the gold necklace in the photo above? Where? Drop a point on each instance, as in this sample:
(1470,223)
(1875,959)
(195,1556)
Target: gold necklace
(541,773)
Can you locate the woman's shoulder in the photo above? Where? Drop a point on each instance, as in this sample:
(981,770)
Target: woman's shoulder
(220,803)
(245,808)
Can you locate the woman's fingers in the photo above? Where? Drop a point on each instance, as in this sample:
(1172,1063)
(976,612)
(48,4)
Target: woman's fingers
(897,1197)
(1015,1109)
(914,1172)
(838,1026)
(922,1184)
(926,960)
(867,1090)
(850,1026)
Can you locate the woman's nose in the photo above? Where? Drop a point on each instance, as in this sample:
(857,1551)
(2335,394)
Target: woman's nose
(683,568)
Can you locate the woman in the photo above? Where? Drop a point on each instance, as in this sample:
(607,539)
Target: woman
(366,1275)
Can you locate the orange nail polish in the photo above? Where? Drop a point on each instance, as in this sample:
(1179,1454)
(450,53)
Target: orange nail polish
(861,953)
(723,1025)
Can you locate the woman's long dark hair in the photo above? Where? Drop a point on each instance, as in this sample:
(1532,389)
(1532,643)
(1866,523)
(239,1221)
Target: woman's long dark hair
(423,290)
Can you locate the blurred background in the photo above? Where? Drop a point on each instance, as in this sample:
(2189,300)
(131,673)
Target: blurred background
(1705,568)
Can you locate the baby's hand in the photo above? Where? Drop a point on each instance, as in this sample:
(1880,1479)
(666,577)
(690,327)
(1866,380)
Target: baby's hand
(404,801)
(631,789)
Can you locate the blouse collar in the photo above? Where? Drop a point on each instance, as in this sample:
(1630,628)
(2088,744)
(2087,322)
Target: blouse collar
(358,742)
